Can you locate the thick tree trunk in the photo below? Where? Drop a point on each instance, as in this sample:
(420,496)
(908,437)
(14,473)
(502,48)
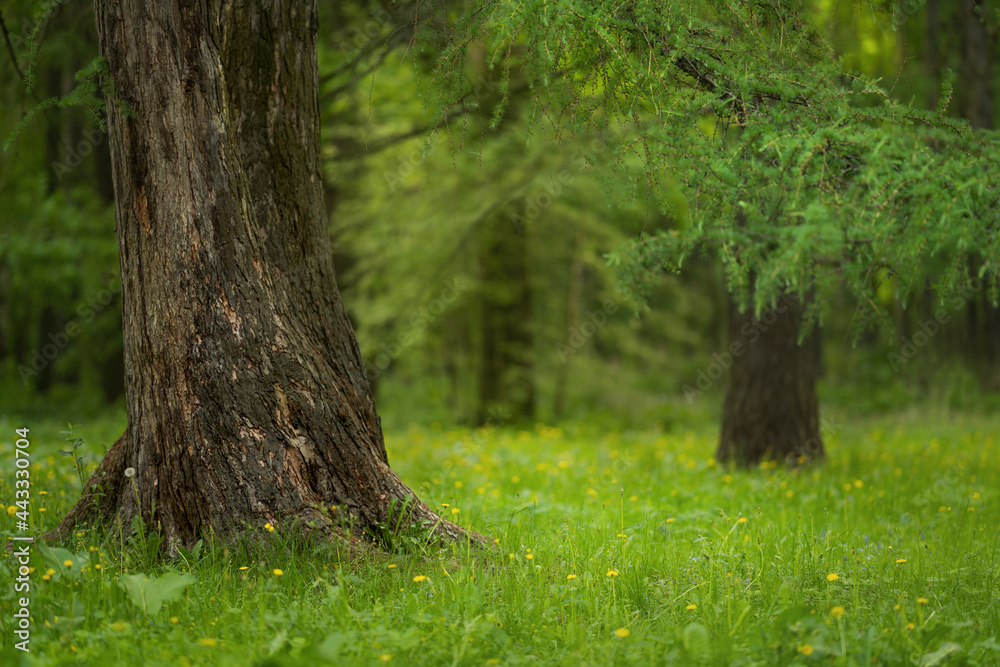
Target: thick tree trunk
(248,401)
(770,410)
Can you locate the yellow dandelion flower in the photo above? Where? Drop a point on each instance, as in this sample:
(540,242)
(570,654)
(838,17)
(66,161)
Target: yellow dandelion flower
(910,626)
(571,576)
(837,612)
(921,600)
(805,649)
(670,520)
(391,566)
(455,510)
(691,607)
(833,576)
(268,527)
(68,563)
(900,561)
(743,519)
(612,573)
(174,620)
(385,657)
(97,566)
(208,641)
(419,578)
(50,571)
(622,633)
(277,572)
(244,567)
(530,556)
(12,510)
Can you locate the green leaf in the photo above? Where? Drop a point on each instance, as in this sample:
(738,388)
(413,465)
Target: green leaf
(149,594)
(938,656)
(696,641)
(57,557)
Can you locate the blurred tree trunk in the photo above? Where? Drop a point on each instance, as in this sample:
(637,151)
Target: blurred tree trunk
(506,370)
(933,51)
(573,297)
(977,107)
(770,409)
(5,349)
(248,401)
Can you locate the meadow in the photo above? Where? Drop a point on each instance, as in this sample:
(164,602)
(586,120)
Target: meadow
(611,546)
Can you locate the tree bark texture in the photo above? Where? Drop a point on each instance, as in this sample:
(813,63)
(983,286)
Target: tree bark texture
(771,410)
(248,401)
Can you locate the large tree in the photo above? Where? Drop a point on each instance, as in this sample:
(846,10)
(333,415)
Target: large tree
(802,177)
(248,401)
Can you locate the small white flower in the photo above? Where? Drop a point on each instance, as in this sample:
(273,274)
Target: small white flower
(130,472)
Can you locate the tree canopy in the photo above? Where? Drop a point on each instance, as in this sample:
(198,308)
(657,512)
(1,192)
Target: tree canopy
(798,175)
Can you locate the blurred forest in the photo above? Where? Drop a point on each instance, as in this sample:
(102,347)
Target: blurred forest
(473,256)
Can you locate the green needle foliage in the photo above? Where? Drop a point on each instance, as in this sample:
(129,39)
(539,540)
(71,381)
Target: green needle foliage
(800,176)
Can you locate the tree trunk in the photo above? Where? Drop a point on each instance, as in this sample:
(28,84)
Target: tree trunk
(978,109)
(770,410)
(573,297)
(507,363)
(247,397)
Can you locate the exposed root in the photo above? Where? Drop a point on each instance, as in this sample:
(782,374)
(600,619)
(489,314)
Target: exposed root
(102,498)
(100,495)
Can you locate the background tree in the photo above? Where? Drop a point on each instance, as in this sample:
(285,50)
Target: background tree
(805,179)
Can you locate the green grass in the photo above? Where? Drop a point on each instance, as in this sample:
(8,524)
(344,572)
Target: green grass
(612,548)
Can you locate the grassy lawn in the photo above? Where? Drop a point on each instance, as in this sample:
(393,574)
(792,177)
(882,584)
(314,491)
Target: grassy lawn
(612,547)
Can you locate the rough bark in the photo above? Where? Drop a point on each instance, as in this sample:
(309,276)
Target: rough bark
(247,398)
(771,411)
